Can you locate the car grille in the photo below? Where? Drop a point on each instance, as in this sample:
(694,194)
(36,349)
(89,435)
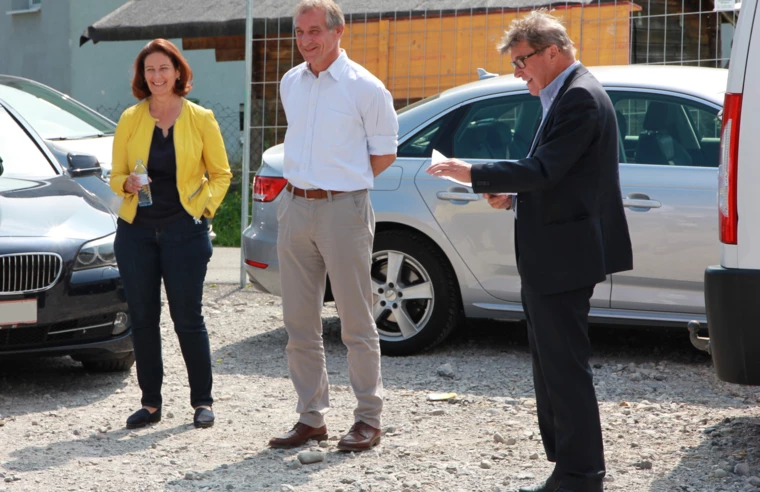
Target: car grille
(22,273)
(82,330)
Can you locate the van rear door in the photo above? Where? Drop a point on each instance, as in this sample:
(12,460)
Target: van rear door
(732,289)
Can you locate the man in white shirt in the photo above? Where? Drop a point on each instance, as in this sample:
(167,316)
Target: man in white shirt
(342,132)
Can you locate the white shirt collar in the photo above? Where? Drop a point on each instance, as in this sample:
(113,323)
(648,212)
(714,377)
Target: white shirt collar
(335,69)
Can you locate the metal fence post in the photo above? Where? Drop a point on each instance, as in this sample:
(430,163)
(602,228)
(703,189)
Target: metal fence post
(244,219)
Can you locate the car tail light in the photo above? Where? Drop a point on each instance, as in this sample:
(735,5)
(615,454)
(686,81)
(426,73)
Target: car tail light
(256,264)
(266,188)
(727,172)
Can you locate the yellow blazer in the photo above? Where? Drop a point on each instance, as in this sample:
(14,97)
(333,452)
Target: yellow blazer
(199,148)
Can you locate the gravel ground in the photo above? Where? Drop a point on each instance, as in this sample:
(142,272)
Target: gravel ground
(669,424)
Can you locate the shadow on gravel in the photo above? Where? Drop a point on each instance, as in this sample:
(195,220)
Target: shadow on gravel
(723,462)
(491,358)
(50,383)
(112,443)
(263,471)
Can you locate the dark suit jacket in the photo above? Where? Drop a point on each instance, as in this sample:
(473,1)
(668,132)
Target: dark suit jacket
(571,229)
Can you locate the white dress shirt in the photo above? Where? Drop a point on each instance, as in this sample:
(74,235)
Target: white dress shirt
(335,121)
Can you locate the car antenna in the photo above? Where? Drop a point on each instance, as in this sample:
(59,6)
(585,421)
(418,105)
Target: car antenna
(484,74)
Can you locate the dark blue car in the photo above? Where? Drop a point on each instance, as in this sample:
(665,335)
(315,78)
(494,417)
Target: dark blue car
(60,289)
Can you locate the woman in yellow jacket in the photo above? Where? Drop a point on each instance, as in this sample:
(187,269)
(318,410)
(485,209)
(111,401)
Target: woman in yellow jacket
(165,236)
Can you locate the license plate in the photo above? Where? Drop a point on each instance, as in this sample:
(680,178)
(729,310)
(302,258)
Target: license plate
(18,312)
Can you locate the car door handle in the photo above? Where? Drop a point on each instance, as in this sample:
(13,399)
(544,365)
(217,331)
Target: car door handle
(640,203)
(456,195)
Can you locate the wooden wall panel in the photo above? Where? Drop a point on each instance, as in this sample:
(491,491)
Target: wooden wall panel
(229,54)
(222,42)
(422,56)
(426,55)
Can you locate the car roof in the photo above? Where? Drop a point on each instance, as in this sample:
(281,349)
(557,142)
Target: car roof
(707,83)
(11,78)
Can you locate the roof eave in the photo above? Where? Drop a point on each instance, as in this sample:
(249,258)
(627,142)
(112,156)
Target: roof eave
(102,31)
(235,27)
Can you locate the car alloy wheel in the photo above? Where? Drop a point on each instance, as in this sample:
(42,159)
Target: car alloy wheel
(415,300)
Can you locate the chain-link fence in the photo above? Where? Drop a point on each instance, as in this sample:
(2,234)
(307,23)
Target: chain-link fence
(229,120)
(681,32)
(112,112)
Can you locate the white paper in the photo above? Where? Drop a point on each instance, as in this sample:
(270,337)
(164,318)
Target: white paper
(438,157)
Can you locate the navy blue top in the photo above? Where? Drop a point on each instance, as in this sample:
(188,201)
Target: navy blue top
(162,170)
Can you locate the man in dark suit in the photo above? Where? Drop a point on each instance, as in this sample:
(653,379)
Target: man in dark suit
(570,233)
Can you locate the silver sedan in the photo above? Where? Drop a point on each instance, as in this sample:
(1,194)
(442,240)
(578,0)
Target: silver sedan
(441,254)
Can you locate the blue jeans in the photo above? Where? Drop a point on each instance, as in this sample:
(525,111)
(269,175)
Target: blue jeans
(179,254)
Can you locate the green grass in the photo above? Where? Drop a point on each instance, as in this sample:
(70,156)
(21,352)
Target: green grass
(227,219)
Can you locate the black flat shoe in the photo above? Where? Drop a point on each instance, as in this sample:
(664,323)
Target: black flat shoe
(143,417)
(554,484)
(203,418)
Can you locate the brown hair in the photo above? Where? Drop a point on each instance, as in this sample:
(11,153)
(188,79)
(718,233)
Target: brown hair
(182,86)
(541,30)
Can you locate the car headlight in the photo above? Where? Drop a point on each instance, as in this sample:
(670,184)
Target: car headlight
(97,253)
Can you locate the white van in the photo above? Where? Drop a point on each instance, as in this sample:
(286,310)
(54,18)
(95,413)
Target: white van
(732,290)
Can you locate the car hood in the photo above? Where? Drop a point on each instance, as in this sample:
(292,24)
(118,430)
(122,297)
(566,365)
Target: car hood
(100,147)
(55,207)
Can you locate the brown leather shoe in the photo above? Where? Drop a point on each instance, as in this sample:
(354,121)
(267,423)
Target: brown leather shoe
(299,435)
(360,437)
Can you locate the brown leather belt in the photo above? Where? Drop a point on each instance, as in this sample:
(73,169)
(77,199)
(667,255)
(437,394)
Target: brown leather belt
(311,194)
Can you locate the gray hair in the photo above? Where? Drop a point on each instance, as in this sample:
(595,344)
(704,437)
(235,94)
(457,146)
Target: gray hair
(333,14)
(541,30)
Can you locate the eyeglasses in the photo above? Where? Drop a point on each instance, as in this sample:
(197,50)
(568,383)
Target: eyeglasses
(519,62)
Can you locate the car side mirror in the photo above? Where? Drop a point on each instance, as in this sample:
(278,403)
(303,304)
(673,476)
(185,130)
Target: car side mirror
(83,165)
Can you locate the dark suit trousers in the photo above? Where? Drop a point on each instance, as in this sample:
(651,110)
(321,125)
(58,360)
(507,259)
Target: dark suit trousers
(568,412)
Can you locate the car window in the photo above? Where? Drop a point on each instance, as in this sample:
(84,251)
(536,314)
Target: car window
(20,155)
(667,130)
(430,137)
(51,114)
(421,144)
(498,128)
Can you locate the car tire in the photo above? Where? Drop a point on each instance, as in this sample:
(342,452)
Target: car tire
(423,294)
(111,364)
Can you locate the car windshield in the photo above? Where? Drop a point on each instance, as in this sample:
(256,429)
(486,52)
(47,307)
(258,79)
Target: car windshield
(53,115)
(19,154)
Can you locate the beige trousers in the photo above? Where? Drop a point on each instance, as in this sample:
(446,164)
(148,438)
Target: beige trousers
(318,237)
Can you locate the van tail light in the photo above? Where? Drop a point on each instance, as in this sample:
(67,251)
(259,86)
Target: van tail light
(727,178)
(266,188)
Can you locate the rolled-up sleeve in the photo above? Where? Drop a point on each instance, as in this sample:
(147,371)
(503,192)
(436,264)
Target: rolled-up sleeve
(381,123)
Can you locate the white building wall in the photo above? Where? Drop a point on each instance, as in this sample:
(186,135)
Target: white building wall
(34,44)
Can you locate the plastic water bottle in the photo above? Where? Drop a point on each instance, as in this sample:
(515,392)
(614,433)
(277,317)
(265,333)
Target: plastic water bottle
(143,195)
